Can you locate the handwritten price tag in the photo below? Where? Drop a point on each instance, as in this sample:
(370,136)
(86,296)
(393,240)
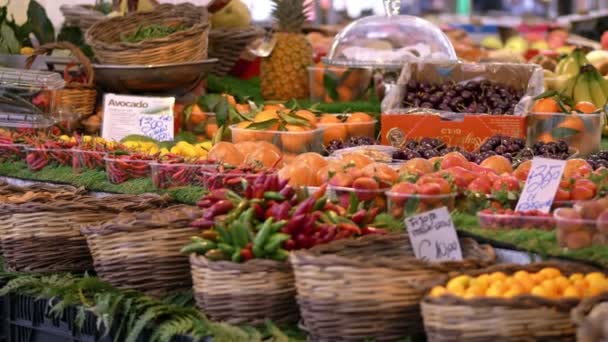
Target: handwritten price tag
(433,236)
(157,127)
(541,185)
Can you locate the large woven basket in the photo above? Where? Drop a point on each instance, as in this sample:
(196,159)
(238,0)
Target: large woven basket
(523,318)
(244,293)
(141,251)
(227,45)
(370,288)
(182,46)
(589,328)
(45,237)
(81,16)
(79,98)
(39,193)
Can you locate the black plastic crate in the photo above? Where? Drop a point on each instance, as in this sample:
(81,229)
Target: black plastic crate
(27,321)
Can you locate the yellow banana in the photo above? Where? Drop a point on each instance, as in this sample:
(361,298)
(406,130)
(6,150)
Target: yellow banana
(603,83)
(567,88)
(597,93)
(570,67)
(581,89)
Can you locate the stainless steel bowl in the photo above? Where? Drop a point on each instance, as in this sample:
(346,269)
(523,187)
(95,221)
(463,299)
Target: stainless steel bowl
(170,79)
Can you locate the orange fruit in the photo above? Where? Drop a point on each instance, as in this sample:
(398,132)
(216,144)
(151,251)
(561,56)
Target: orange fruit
(545,137)
(345,94)
(576,165)
(225,152)
(334,128)
(585,107)
(246,147)
(243,108)
(210,129)
(231,100)
(296,139)
(381,172)
(546,105)
(269,146)
(308,116)
(265,157)
(312,159)
(325,173)
(497,163)
(299,175)
(266,115)
(242,133)
(573,122)
(360,124)
(418,166)
(358,160)
(523,170)
(197,116)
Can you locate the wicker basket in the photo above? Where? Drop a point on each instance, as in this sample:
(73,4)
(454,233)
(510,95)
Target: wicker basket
(228,44)
(370,288)
(80,98)
(45,237)
(523,318)
(183,46)
(589,328)
(244,293)
(81,16)
(142,251)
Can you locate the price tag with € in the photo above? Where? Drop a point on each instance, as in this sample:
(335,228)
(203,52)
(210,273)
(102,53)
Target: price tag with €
(541,185)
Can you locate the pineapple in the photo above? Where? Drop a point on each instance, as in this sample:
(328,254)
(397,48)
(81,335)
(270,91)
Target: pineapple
(283,74)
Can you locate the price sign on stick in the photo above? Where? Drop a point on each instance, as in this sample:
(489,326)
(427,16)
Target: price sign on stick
(433,236)
(541,185)
(125,115)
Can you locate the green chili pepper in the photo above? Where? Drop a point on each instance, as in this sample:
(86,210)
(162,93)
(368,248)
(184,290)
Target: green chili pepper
(320,203)
(275,241)
(223,234)
(228,249)
(236,255)
(273,195)
(280,255)
(262,236)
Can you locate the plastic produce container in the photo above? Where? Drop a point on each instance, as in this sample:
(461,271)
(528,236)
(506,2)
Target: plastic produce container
(287,141)
(370,198)
(165,176)
(339,84)
(582,132)
(39,158)
(379,153)
(87,160)
(576,233)
(121,170)
(346,130)
(404,205)
(12,152)
(513,221)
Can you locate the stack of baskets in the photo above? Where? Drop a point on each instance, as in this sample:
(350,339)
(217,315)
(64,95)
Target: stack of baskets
(45,236)
(141,251)
(521,318)
(370,288)
(79,98)
(591,318)
(187,45)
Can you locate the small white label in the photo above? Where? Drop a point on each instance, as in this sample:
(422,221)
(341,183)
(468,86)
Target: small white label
(433,236)
(541,185)
(125,115)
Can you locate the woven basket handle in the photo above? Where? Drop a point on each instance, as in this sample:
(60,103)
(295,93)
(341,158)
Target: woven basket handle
(81,57)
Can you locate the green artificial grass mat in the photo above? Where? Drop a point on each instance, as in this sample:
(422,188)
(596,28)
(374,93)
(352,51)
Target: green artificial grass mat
(541,242)
(96,181)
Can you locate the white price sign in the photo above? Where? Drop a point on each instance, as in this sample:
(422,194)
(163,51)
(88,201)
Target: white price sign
(541,185)
(125,115)
(433,236)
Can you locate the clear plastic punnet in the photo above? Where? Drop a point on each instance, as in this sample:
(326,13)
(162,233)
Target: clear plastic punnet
(390,41)
(27,97)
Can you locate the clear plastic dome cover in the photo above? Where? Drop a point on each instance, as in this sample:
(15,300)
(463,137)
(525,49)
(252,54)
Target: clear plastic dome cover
(390,40)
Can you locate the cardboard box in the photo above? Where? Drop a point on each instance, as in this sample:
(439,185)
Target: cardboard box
(459,129)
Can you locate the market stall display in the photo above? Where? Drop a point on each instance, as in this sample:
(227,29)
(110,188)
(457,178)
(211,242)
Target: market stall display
(377,187)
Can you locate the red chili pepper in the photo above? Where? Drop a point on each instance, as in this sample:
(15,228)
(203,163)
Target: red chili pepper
(246,254)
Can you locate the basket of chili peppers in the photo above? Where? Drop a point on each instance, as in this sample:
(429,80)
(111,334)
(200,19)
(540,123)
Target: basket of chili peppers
(141,251)
(233,178)
(123,167)
(45,237)
(10,151)
(90,152)
(245,243)
(50,152)
(173,171)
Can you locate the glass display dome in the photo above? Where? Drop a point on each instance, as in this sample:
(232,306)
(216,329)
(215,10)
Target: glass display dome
(384,41)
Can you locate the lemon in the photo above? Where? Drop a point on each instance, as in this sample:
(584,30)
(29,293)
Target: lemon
(164,151)
(462,281)
(438,291)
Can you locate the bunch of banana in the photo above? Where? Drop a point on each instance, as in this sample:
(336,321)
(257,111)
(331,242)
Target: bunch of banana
(588,86)
(567,68)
